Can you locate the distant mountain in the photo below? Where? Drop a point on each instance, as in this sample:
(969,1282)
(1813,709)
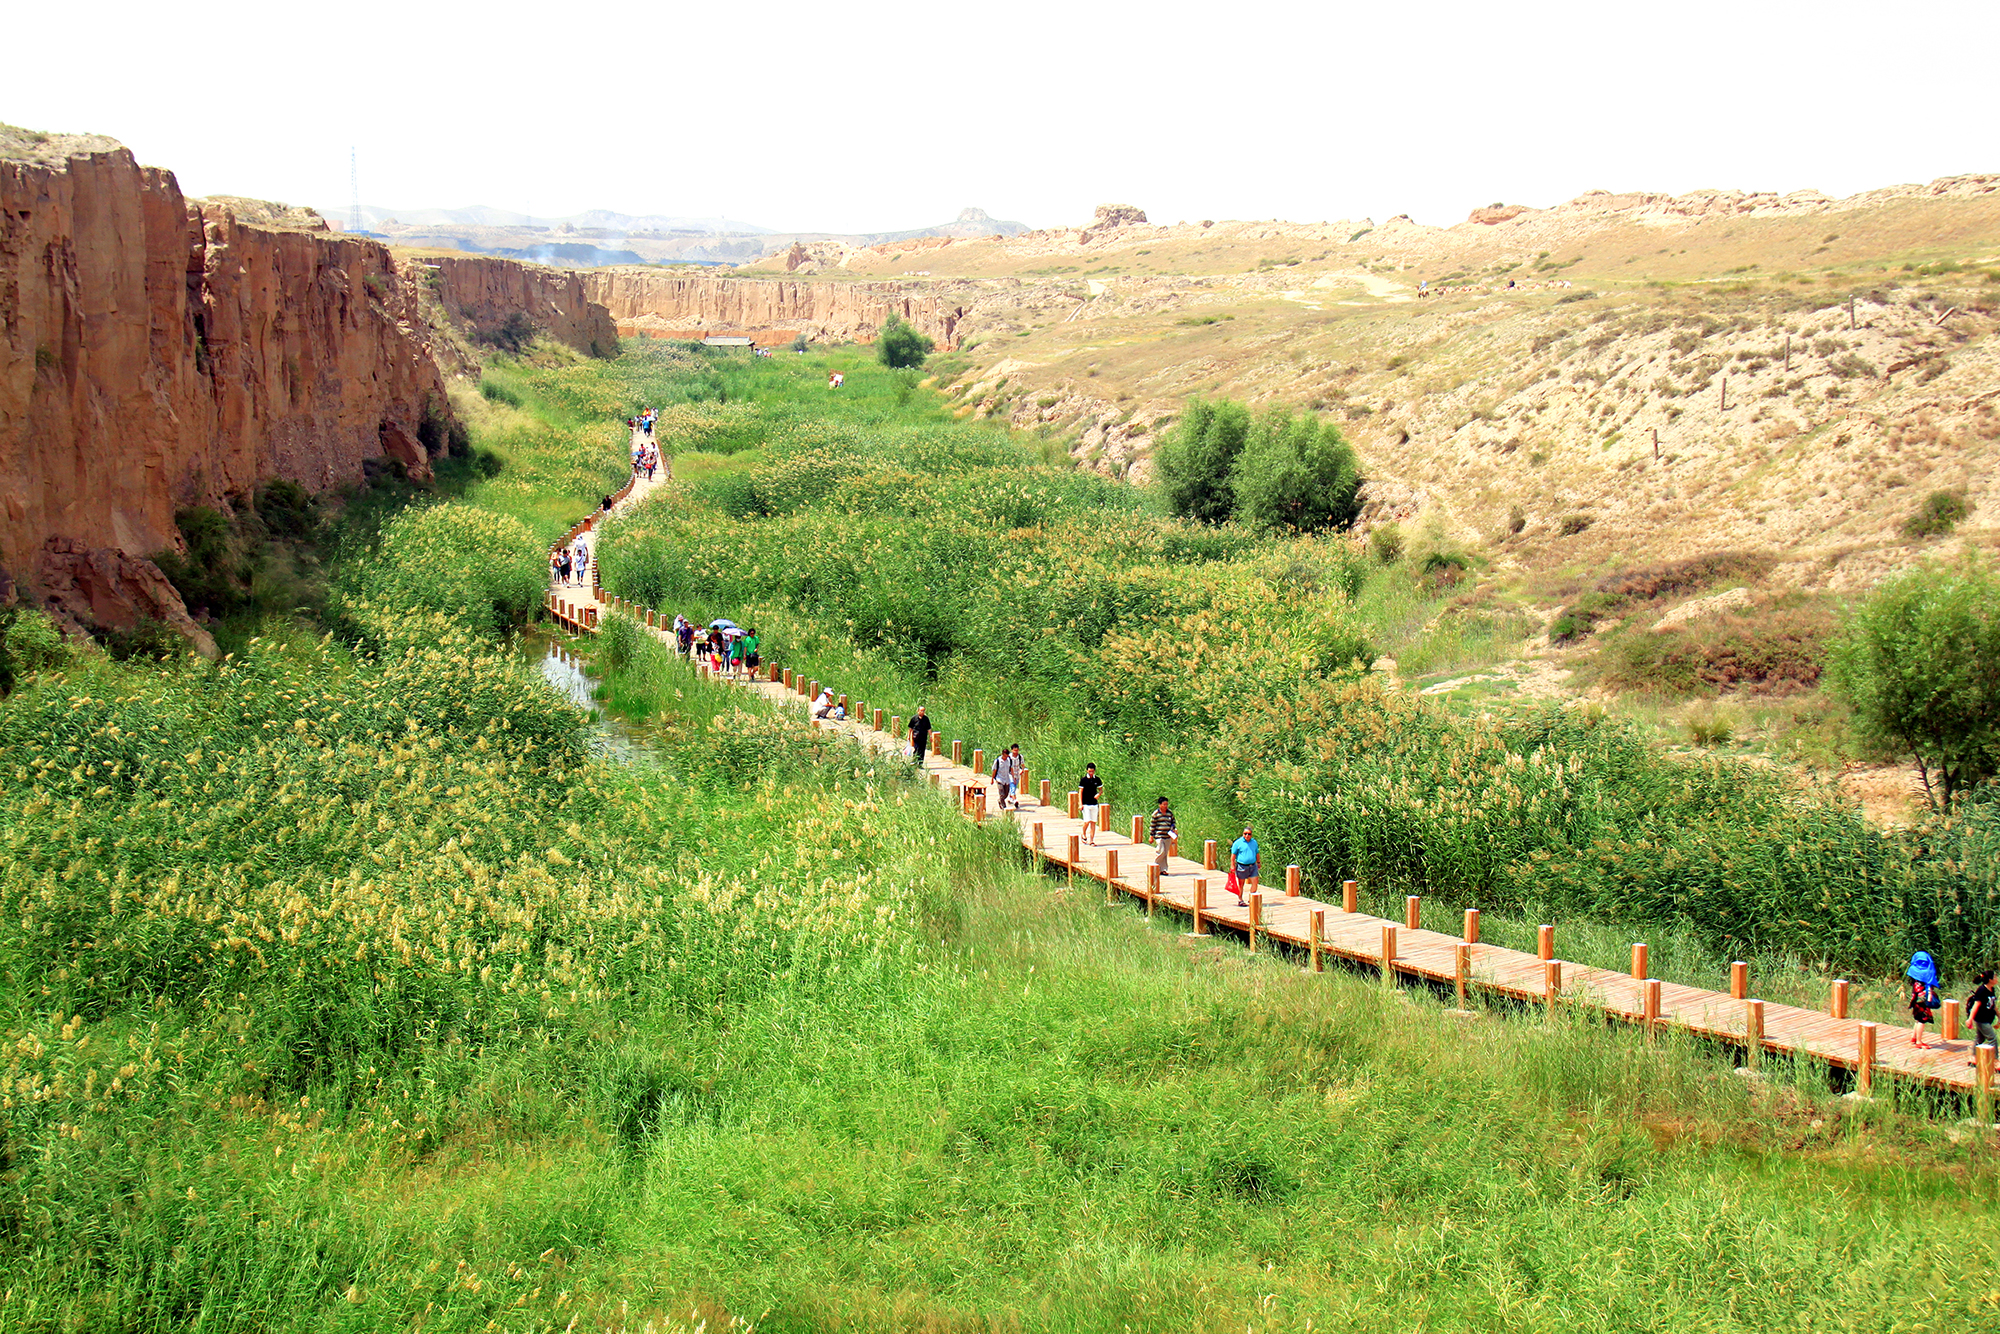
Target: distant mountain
(482,215)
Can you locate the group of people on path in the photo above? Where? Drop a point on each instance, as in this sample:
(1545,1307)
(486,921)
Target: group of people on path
(728,648)
(1980,1007)
(645,454)
(570,562)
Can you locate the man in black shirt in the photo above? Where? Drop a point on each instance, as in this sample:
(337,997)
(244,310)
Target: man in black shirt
(1088,790)
(1979,1008)
(920,736)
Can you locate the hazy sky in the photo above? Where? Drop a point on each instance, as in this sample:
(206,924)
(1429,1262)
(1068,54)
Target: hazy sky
(864,117)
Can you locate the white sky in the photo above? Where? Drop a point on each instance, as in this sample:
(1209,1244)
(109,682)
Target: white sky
(865,117)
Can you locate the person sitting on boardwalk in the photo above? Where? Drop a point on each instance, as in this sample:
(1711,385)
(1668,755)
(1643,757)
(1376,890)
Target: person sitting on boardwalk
(1243,857)
(1923,975)
(920,736)
(1162,833)
(824,704)
(1088,791)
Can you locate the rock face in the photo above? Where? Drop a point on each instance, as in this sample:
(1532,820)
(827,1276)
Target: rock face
(645,300)
(1117,215)
(480,292)
(1488,217)
(157,353)
(83,586)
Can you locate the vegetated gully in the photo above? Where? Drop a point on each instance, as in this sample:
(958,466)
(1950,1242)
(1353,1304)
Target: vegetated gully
(1297,927)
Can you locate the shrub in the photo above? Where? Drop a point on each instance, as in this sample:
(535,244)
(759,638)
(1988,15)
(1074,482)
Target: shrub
(1196,458)
(29,642)
(1708,728)
(1440,570)
(901,345)
(1941,512)
(1516,520)
(1386,542)
(1919,662)
(1572,524)
(494,392)
(1296,472)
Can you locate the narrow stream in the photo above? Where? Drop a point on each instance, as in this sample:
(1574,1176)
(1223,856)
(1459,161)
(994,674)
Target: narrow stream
(564,672)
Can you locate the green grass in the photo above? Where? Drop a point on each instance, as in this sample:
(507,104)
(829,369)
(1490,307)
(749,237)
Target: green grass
(348,988)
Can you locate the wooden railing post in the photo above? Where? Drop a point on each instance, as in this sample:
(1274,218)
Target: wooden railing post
(1152,885)
(1982,1065)
(1411,903)
(937,744)
(1545,942)
(1739,980)
(1037,831)
(877,720)
(1291,882)
(814,692)
(1350,896)
(979,759)
(1838,1008)
(1075,850)
(1200,906)
(1111,866)
(1388,952)
(1075,804)
(979,805)
(1256,902)
(1462,970)
(1652,1007)
(1472,926)
(788,678)
(1552,982)
(958,752)
(1950,1017)
(1639,960)
(1864,1059)
(1044,792)
(1208,854)
(1753,1033)
(1316,938)
(1139,829)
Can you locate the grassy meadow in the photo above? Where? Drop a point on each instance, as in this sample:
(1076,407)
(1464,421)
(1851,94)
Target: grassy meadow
(349,987)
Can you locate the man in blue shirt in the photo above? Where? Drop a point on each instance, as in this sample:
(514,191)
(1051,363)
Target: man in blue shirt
(1244,852)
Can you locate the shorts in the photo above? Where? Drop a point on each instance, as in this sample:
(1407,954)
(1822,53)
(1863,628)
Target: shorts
(753,660)
(1246,872)
(1090,815)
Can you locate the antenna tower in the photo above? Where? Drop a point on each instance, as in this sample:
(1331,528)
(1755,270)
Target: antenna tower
(354,190)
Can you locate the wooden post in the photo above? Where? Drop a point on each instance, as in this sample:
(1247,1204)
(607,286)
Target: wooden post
(1291,882)
(843,705)
(1316,938)
(1044,792)
(1173,845)
(1950,1017)
(1256,902)
(1463,960)
(1139,829)
(1552,982)
(1864,1059)
(1639,960)
(979,805)
(1753,1033)
(814,692)
(878,721)
(1208,854)
(1839,1007)
(1075,804)
(1652,1006)
(937,744)
(1982,1064)
(1545,942)
(1103,817)
(1110,865)
(1152,885)
(979,759)
(958,752)
(1472,926)
(1411,903)
(1739,980)
(1200,906)
(1350,896)
(1037,831)
(1388,949)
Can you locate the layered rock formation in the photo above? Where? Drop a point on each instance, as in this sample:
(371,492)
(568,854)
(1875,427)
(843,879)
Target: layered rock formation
(484,293)
(157,353)
(646,300)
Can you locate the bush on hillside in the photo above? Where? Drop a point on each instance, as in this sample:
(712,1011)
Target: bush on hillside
(1941,512)
(901,345)
(1196,458)
(1920,664)
(1296,472)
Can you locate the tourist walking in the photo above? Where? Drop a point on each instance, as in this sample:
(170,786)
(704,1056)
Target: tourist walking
(1162,832)
(1005,776)
(1923,975)
(1020,775)
(556,571)
(1979,1008)
(920,736)
(750,656)
(1244,861)
(1088,791)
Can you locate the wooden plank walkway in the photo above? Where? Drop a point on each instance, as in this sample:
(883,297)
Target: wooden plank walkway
(1319,931)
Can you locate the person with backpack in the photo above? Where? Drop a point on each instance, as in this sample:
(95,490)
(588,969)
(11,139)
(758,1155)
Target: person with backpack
(1020,773)
(1005,776)
(1979,1008)
(1088,791)
(1923,975)
(920,736)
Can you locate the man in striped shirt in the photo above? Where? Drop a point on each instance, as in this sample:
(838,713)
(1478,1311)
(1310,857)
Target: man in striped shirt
(1162,831)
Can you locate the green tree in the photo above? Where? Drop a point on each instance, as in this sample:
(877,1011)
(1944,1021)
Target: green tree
(901,344)
(1195,459)
(1919,662)
(1296,472)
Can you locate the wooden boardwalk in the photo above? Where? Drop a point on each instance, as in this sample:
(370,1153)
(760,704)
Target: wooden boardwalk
(1317,931)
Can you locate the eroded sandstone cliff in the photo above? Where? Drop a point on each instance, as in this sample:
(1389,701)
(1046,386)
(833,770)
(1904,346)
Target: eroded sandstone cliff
(157,352)
(481,294)
(650,301)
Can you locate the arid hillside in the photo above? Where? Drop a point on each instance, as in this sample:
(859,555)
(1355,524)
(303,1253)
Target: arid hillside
(1619,378)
